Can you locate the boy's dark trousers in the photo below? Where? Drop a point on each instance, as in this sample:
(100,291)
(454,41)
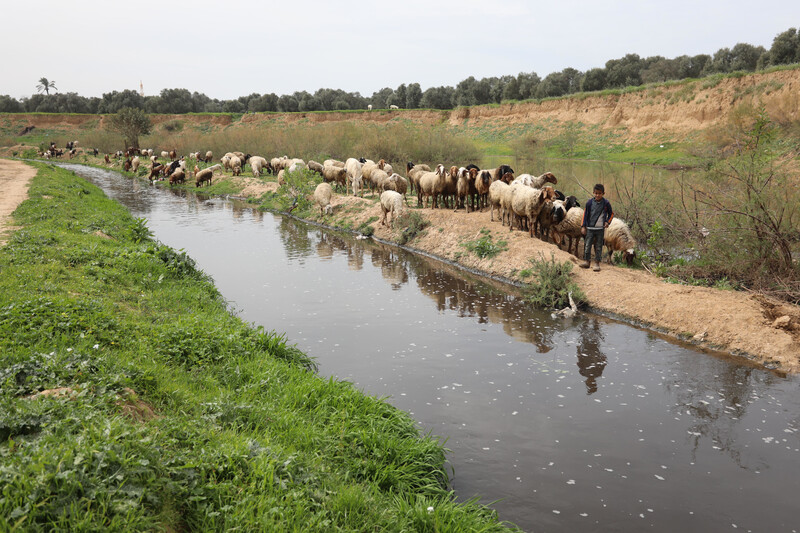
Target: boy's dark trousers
(593,236)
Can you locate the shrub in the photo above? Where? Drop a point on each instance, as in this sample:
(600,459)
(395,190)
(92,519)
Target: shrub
(414,225)
(552,284)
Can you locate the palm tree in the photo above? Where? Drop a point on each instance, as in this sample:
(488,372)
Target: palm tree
(45,85)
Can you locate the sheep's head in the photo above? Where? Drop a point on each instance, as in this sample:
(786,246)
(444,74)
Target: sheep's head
(473,173)
(440,169)
(549,178)
(454,171)
(571,202)
(558,212)
(548,193)
(508,177)
(505,169)
(628,256)
(381,164)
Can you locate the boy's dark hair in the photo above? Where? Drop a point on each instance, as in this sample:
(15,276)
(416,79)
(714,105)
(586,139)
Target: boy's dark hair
(599,187)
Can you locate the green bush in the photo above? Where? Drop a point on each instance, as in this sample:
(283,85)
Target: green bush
(414,224)
(551,285)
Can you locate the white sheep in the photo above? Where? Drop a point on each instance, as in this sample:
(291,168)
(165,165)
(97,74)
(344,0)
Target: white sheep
(369,107)
(164,155)
(413,172)
(618,238)
(209,156)
(353,168)
(527,203)
(135,164)
(322,198)
(391,202)
(393,107)
(257,164)
(496,191)
(537,182)
(396,183)
(236,165)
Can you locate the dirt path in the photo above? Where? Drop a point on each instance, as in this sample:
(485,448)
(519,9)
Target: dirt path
(734,322)
(15,177)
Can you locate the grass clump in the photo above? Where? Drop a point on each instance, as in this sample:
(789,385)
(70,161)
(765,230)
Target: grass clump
(551,285)
(484,247)
(413,225)
(132,399)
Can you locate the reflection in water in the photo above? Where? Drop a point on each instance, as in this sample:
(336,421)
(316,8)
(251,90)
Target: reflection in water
(670,442)
(591,360)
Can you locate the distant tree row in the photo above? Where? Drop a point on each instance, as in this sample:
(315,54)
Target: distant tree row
(630,70)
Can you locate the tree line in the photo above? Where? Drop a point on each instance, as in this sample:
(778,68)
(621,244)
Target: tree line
(630,70)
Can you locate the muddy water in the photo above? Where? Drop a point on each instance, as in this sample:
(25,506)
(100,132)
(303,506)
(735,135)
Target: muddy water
(578,425)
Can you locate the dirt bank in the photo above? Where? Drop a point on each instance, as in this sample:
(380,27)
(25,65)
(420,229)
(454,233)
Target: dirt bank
(15,177)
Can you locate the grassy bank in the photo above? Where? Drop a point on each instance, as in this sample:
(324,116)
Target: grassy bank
(131,399)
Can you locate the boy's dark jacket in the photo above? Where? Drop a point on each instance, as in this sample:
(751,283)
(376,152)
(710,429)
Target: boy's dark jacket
(607,212)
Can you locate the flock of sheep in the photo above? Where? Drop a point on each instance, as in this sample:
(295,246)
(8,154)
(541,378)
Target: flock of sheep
(526,202)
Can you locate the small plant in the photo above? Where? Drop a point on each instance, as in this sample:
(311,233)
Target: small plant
(484,247)
(139,231)
(366,229)
(414,226)
(551,285)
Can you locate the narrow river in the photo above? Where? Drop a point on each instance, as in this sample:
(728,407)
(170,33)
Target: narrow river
(583,424)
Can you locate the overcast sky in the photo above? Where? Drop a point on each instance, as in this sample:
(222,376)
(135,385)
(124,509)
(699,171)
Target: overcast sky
(237,47)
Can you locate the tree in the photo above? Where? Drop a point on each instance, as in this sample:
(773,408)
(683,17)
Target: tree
(624,72)
(594,80)
(130,123)
(413,96)
(438,98)
(45,85)
(785,48)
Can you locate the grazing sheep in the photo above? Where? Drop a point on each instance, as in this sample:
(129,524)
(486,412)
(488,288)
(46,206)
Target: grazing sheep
(236,165)
(135,164)
(173,155)
(155,170)
(179,176)
(496,191)
(322,198)
(203,176)
(334,174)
(314,166)
(281,176)
(369,107)
(367,167)
(391,202)
(126,166)
(353,168)
(209,156)
(257,163)
(164,154)
(618,238)
(393,107)
(295,165)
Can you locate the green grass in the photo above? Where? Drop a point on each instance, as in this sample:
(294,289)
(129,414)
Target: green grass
(174,414)
(484,247)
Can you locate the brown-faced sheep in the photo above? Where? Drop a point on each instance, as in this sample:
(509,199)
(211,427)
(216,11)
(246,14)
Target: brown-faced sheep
(337,175)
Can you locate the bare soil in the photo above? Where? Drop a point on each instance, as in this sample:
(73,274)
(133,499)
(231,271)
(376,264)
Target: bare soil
(15,177)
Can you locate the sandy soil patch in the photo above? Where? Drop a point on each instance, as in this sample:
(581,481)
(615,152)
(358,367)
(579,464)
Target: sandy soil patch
(15,178)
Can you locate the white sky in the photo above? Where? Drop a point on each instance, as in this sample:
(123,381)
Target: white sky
(238,47)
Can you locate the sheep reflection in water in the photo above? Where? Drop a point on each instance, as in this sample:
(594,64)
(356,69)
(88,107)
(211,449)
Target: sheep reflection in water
(591,360)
